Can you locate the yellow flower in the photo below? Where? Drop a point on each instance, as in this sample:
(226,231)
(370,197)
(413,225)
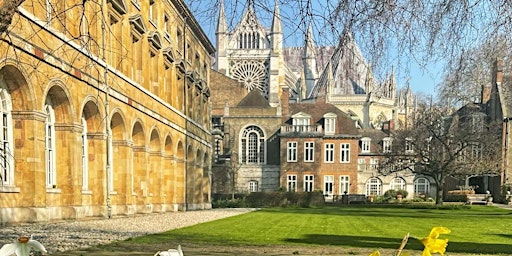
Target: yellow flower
(375,253)
(433,244)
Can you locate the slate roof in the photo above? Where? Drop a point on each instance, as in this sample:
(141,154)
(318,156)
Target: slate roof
(293,57)
(376,137)
(344,124)
(254,99)
(351,73)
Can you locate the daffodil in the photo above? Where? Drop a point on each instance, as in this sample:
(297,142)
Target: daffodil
(375,253)
(170,252)
(22,247)
(433,244)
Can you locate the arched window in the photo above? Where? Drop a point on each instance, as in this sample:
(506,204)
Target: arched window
(85,156)
(397,184)
(374,187)
(421,186)
(252,145)
(51,176)
(6,151)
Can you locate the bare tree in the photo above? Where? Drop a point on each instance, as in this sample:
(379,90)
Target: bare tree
(397,32)
(443,144)
(234,167)
(466,75)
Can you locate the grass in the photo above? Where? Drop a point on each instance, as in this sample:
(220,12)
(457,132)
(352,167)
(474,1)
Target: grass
(481,229)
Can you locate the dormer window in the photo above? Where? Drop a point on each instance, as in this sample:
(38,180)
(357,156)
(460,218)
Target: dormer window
(330,123)
(365,145)
(386,144)
(301,121)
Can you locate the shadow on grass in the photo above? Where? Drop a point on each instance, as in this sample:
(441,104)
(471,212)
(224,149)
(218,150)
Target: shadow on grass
(392,243)
(398,211)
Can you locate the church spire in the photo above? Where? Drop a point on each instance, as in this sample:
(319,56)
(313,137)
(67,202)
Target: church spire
(221,36)
(276,20)
(221,22)
(309,60)
(277,30)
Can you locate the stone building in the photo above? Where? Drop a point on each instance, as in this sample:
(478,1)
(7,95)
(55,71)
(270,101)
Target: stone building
(313,77)
(105,110)
(246,151)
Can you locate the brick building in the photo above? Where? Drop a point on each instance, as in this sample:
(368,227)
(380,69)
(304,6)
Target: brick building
(319,148)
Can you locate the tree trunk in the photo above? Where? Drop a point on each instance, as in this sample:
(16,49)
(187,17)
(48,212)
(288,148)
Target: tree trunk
(439,189)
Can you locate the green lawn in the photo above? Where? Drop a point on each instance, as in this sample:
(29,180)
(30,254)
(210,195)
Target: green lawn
(481,229)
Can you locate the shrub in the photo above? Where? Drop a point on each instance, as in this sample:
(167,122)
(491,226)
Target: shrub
(456,198)
(270,199)
(392,194)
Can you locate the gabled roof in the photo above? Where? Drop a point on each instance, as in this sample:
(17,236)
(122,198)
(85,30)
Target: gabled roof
(254,99)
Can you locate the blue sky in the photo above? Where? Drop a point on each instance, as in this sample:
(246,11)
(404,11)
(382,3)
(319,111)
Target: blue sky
(423,81)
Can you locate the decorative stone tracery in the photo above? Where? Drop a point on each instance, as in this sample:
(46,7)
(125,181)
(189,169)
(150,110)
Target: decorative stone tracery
(252,73)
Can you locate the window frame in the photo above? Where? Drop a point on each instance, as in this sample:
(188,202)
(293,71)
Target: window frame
(398,183)
(309,183)
(328,185)
(373,187)
(328,152)
(252,145)
(344,184)
(366,145)
(291,183)
(309,151)
(50,148)
(426,184)
(7,139)
(344,153)
(253,186)
(330,123)
(291,151)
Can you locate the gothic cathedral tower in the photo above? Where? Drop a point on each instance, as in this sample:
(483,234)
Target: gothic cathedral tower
(251,53)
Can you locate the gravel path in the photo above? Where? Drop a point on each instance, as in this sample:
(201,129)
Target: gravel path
(71,235)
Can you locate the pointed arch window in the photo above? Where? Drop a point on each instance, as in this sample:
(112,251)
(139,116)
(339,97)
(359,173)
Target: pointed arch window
(6,138)
(252,145)
(51,175)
